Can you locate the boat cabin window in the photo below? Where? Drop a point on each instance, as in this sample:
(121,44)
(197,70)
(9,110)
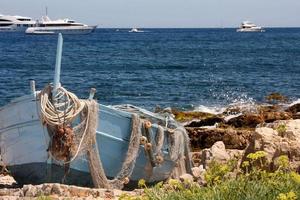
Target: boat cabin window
(4,20)
(49,25)
(5,24)
(24,19)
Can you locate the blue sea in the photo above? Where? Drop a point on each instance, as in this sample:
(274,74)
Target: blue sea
(182,68)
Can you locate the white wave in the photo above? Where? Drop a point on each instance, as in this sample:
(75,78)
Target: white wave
(295,102)
(212,109)
(242,104)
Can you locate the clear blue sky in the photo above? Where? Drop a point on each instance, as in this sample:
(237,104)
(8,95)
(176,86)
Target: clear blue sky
(162,13)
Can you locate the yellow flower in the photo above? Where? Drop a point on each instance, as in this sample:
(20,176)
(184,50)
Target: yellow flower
(295,177)
(141,183)
(287,196)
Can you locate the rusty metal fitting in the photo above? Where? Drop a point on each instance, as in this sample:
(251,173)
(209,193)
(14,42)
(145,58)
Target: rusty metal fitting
(147,124)
(143,140)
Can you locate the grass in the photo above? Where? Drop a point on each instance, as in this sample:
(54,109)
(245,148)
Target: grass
(252,183)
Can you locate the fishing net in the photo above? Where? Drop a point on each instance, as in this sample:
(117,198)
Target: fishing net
(72,125)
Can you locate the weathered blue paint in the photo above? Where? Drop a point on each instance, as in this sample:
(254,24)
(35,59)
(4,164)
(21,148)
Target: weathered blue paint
(24,140)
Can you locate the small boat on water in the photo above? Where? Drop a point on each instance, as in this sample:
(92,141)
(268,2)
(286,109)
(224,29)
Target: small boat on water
(135,30)
(65,26)
(53,136)
(248,26)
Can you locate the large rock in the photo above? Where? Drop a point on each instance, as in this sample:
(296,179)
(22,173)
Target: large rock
(209,121)
(246,121)
(278,138)
(205,138)
(269,117)
(294,107)
(7,181)
(217,153)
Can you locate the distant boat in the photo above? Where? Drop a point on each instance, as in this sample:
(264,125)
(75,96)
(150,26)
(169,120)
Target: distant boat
(133,143)
(135,30)
(65,26)
(248,26)
(9,23)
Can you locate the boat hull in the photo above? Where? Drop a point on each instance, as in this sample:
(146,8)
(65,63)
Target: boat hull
(64,30)
(250,30)
(24,142)
(13,28)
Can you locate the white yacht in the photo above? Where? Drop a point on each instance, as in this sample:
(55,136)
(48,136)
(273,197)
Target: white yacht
(9,23)
(135,30)
(248,26)
(65,26)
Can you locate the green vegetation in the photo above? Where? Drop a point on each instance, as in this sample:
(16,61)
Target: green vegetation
(281,129)
(251,183)
(182,116)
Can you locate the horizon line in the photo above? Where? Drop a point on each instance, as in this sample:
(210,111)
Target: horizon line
(265,27)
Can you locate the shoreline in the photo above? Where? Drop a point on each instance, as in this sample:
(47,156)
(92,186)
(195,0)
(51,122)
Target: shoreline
(219,136)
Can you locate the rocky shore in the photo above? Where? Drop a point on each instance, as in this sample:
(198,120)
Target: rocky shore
(272,127)
(9,190)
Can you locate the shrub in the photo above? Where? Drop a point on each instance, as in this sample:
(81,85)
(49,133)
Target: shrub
(256,184)
(281,129)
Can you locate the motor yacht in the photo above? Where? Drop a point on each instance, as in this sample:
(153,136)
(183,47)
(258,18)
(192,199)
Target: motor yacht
(65,26)
(135,30)
(9,23)
(248,26)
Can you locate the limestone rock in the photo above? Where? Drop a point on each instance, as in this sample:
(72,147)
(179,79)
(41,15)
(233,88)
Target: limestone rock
(60,191)
(198,171)
(186,178)
(274,144)
(217,152)
(56,189)
(30,191)
(6,180)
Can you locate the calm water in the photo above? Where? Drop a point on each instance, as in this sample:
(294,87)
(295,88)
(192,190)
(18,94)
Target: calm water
(168,67)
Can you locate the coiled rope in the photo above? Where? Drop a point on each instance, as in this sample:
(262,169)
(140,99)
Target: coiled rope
(60,109)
